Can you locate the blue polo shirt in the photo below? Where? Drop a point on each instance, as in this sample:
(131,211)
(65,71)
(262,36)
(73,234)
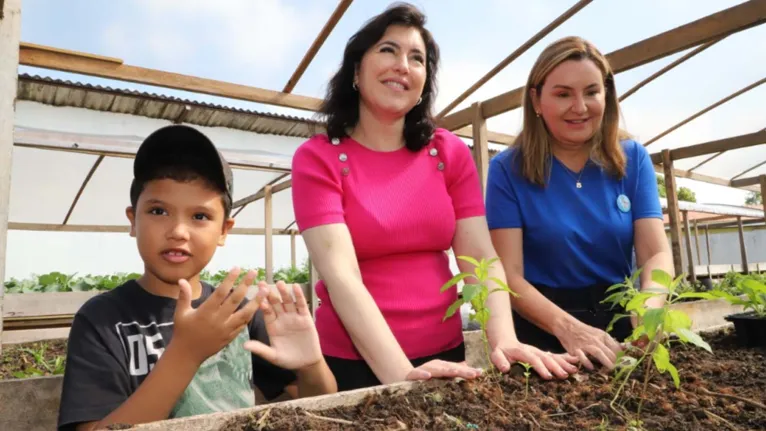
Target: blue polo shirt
(574,238)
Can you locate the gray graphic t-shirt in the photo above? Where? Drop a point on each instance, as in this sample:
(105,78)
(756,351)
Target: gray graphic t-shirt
(116,339)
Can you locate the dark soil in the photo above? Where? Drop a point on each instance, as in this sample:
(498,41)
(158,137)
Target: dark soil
(18,363)
(705,401)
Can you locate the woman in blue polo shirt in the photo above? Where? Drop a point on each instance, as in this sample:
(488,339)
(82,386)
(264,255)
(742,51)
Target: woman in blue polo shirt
(568,202)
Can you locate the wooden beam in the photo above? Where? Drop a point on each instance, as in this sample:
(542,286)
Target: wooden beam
(262,193)
(732,143)
(714,156)
(746,182)
(669,67)
(49,227)
(88,64)
(756,166)
(707,245)
(242,206)
(293,260)
(494,137)
(697,242)
(742,247)
(516,54)
(82,188)
(269,240)
(688,238)
(672,197)
(10,31)
(480,145)
(706,110)
(318,42)
(723,23)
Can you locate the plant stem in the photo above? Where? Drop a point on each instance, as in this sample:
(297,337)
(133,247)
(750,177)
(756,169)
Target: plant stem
(647,373)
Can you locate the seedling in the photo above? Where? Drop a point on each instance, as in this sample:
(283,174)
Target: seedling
(656,325)
(476,295)
(526,376)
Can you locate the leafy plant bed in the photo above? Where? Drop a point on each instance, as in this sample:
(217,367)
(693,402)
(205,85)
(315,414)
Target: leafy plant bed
(723,390)
(45,358)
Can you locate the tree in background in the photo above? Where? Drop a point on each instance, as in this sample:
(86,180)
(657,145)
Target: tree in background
(684,193)
(753,198)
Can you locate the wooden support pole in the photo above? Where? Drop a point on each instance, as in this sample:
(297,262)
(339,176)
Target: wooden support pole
(292,250)
(480,145)
(269,237)
(672,198)
(742,247)
(10,31)
(313,280)
(697,242)
(689,255)
(82,188)
(709,254)
(762,179)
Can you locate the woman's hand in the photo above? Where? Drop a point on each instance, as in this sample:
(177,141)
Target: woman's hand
(439,369)
(546,364)
(581,340)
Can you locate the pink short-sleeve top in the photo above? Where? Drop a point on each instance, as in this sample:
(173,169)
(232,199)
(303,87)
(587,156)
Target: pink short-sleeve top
(401,208)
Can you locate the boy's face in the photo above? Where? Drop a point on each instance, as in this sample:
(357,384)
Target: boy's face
(178,226)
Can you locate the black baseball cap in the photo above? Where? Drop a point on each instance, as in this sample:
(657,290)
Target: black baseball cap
(179,144)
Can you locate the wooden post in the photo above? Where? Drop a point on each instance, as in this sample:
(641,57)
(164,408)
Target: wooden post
(269,235)
(709,255)
(742,248)
(762,180)
(10,31)
(480,144)
(689,255)
(697,242)
(313,280)
(672,198)
(292,250)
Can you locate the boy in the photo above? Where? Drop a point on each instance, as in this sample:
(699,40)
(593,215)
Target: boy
(167,345)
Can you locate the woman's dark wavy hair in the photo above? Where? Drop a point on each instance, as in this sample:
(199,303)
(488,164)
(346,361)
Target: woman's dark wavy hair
(341,104)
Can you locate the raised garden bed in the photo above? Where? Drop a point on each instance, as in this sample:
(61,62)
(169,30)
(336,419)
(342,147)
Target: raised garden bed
(723,390)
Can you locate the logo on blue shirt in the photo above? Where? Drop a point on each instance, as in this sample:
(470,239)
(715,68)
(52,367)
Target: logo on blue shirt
(623,203)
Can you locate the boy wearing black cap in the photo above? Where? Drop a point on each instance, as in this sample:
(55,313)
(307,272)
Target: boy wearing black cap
(168,345)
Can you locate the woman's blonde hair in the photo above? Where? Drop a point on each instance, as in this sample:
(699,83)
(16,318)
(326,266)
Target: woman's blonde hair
(533,144)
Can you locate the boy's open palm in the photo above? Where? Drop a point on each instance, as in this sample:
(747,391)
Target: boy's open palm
(292,334)
(203,331)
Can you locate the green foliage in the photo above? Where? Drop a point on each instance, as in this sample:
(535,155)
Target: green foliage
(527,373)
(476,294)
(657,326)
(753,198)
(54,366)
(748,291)
(60,282)
(684,193)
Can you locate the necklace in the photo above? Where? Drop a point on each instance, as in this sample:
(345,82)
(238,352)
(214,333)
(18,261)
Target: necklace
(578,183)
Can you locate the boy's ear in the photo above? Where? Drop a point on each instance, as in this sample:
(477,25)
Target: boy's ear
(131,214)
(228,224)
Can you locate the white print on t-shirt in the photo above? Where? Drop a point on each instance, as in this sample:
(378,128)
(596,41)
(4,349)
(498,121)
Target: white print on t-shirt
(143,344)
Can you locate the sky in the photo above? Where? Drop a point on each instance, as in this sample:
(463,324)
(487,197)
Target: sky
(260,42)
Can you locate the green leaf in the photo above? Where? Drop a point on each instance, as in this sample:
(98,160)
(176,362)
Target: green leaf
(638,301)
(698,295)
(454,280)
(661,357)
(617,316)
(690,336)
(652,320)
(469,259)
(661,277)
(470,291)
(452,309)
(674,373)
(676,320)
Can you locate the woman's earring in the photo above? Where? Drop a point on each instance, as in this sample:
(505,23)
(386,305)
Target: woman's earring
(420,99)
(356,87)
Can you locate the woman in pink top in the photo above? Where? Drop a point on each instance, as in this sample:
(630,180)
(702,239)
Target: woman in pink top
(379,200)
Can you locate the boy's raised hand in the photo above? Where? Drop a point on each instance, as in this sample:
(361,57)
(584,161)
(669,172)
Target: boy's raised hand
(204,331)
(292,334)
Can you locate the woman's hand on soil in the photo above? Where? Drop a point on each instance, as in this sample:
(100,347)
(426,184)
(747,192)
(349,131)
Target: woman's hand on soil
(582,340)
(546,364)
(439,369)
(294,342)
